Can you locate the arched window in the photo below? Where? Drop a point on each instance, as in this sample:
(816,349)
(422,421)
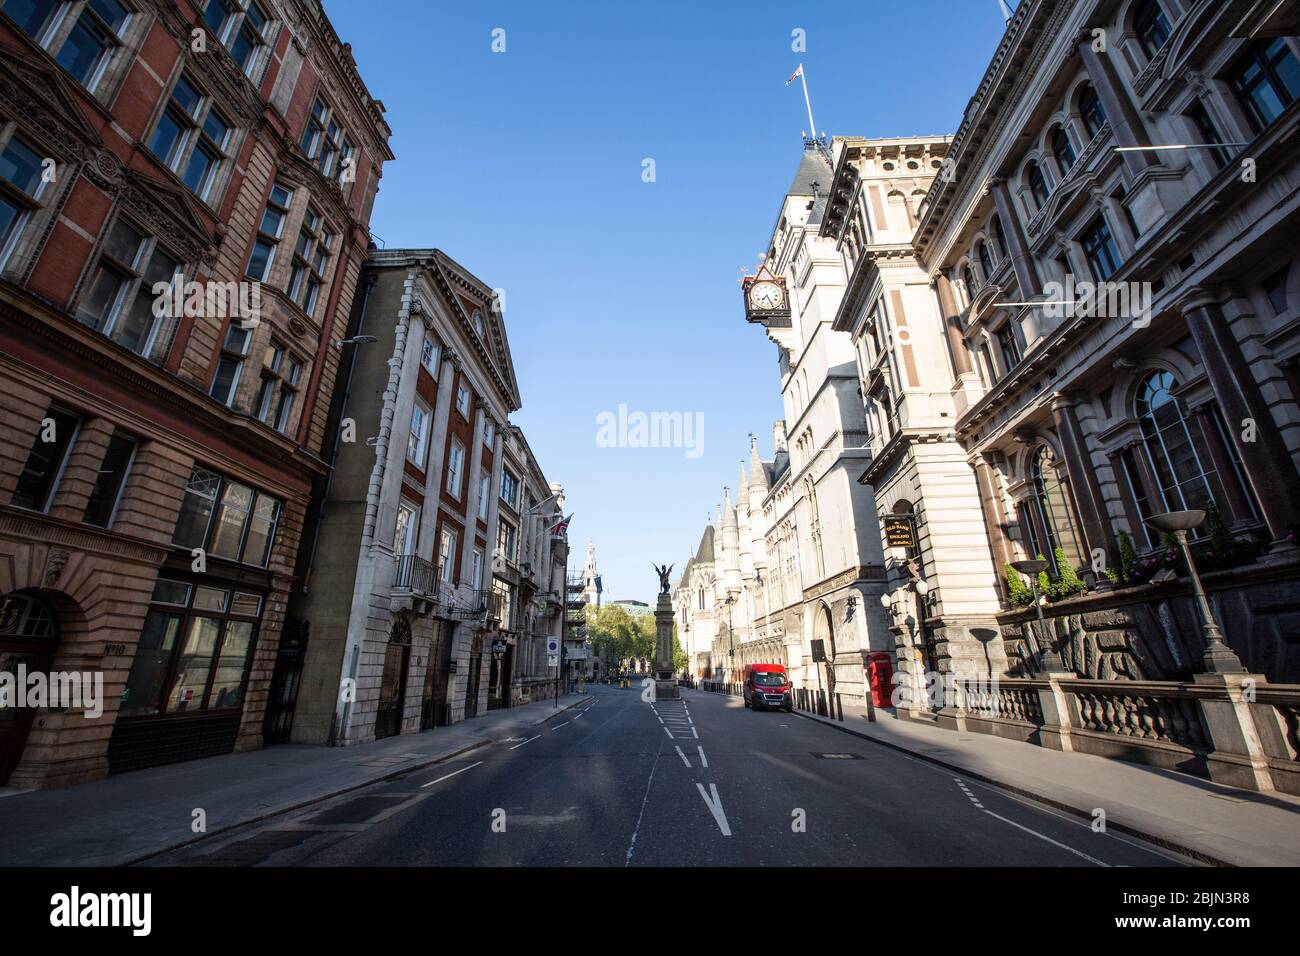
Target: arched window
(1090,109)
(968,278)
(986,266)
(1176,463)
(1152,27)
(1054,509)
(1037,184)
(1062,149)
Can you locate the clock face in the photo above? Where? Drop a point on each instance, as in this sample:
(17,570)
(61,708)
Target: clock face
(766,295)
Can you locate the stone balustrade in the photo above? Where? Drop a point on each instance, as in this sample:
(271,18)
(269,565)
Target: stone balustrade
(1236,729)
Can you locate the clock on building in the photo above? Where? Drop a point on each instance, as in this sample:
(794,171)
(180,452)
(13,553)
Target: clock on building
(766,301)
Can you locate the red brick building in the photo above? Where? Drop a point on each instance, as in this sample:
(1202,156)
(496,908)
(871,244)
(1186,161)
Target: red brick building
(184,196)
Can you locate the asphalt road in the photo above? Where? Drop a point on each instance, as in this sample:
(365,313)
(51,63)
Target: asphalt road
(617,781)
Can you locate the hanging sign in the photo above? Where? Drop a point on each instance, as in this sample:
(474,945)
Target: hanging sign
(900,532)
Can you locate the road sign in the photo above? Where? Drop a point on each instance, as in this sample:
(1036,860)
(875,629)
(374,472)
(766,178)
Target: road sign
(818,651)
(552,646)
(553,660)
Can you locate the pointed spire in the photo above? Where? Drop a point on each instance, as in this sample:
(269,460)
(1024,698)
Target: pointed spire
(757,473)
(729,511)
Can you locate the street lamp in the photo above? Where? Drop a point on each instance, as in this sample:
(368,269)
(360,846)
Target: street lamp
(1049,658)
(1219,657)
(355,340)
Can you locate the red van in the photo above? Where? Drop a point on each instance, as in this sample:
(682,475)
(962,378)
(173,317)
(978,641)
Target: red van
(766,685)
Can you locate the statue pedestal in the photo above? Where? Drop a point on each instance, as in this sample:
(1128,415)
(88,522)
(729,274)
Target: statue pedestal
(667,690)
(665,684)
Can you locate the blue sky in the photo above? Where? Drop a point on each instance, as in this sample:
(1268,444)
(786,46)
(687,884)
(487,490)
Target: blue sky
(526,167)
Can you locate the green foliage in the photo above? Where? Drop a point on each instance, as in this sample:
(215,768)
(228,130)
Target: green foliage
(1017,591)
(1127,557)
(1068,583)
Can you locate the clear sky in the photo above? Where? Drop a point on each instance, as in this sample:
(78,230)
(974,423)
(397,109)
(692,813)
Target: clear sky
(526,166)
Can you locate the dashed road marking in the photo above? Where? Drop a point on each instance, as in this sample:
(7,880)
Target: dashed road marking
(683,756)
(703,759)
(528,741)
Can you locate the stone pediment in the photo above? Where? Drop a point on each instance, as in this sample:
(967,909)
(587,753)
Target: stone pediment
(38,92)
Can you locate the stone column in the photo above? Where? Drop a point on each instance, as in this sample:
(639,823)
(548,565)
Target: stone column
(994,520)
(1235,506)
(1083,476)
(961,364)
(1017,248)
(1125,121)
(1266,461)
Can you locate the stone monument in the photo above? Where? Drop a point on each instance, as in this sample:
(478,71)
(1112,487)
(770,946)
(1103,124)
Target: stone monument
(665,684)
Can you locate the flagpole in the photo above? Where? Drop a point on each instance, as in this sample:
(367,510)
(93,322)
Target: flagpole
(803,78)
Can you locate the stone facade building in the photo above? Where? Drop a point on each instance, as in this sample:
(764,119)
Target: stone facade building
(1081,423)
(1005,415)
(528,574)
(414,594)
(157,451)
(943,584)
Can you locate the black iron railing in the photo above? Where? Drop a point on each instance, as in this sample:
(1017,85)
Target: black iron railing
(415,574)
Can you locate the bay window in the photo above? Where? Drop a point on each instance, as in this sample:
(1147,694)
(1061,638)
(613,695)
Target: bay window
(227,519)
(269,232)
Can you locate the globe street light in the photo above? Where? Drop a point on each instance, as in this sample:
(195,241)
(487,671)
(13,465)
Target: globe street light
(1049,658)
(1219,657)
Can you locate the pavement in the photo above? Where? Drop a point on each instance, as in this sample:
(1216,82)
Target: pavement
(1216,823)
(132,816)
(701,781)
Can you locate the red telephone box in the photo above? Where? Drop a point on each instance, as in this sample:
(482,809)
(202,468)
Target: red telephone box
(880,677)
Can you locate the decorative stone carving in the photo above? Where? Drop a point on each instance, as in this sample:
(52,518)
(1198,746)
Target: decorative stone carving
(55,561)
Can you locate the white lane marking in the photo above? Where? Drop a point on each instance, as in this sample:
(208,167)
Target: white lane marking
(1049,839)
(683,756)
(528,741)
(703,759)
(450,775)
(715,807)
(576,716)
(669,733)
(695,732)
(661,720)
(644,800)
(975,800)
(558,726)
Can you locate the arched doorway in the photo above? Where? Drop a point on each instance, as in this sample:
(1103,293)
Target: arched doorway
(28,636)
(824,631)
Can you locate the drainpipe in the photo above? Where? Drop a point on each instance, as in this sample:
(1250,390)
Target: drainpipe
(371,281)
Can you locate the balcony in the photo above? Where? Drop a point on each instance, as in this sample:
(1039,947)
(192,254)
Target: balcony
(416,575)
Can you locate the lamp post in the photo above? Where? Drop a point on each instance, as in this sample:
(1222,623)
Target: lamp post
(1049,658)
(1219,658)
